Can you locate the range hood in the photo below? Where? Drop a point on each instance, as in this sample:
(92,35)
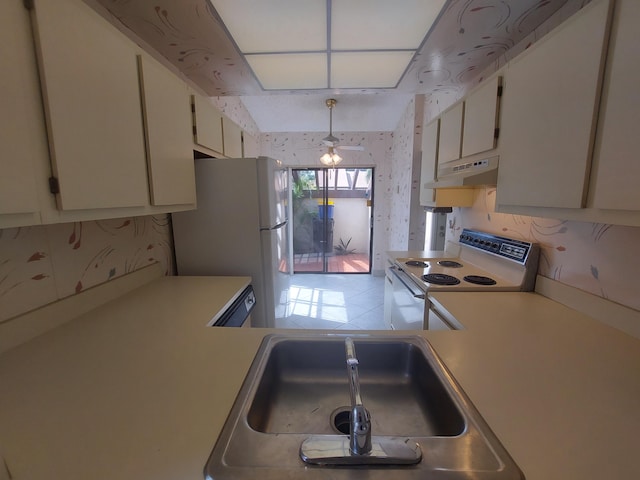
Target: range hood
(465,173)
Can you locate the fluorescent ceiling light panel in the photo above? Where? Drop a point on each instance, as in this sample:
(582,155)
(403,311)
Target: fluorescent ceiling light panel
(290,71)
(368,69)
(381,24)
(275,25)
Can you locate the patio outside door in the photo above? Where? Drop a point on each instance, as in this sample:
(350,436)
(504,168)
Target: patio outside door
(332,220)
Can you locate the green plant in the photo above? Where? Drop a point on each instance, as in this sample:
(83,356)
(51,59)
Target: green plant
(343,248)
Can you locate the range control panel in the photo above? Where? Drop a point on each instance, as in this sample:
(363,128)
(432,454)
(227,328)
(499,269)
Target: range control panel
(516,250)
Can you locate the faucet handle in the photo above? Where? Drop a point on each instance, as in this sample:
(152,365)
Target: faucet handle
(351,351)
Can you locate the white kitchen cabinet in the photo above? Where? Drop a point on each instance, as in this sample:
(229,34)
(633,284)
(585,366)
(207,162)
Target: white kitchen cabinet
(89,78)
(207,124)
(169,141)
(550,101)
(481,112)
(232,135)
(616,170)
(250,146)
(450,139)
(429,166)
(22,133)
(429,197)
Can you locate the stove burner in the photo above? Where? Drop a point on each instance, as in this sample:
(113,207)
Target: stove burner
(416,263)
(479,280)
(449,263)
(440,279)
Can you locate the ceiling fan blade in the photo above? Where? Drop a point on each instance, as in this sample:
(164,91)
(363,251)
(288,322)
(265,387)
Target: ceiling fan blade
(359,148)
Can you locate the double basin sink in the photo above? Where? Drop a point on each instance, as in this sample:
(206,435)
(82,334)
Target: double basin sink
(298,387)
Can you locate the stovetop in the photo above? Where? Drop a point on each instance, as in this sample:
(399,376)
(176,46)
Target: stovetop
(486,262)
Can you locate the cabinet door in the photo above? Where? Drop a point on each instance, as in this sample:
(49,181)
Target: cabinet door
(481,118)
(429,165)
(616,167)
(207,124)
(92,101)
(232,138)
(21,121)
(450,134)
(167,114)
(250,146)
(548,109)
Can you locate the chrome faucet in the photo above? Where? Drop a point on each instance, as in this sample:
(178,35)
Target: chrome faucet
(360,448)
(360,421)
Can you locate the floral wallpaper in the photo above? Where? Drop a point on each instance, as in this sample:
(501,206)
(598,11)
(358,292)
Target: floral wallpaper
(45,263)
(407,218)
(594,257)
(304,149)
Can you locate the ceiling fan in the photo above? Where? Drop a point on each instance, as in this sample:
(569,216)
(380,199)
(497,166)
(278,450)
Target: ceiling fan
(331,158)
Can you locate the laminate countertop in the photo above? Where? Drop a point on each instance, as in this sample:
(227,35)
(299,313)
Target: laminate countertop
(140,388)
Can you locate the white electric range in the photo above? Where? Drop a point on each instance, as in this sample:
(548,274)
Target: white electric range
(486,262)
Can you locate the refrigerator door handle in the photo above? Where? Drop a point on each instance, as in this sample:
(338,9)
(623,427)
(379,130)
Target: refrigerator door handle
(275,227)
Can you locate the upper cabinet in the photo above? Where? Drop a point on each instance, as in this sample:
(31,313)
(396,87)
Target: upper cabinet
(22,133)
(89,78)
(481,113)
(86,131)
(232,138)
(169,142)
(549,108)
(568,138)
(615,173)
(450,139)
(429,197)
(429,164)
(207,124)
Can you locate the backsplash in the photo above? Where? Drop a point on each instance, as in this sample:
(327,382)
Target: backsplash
(593,257)
(45,263)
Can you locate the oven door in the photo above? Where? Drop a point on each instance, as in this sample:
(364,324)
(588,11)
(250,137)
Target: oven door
(405,301)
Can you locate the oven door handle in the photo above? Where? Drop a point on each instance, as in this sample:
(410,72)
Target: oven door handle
(407,282)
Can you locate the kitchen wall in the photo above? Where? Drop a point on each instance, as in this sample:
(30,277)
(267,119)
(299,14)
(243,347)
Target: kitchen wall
(406,217)
(594,257)
(45,263)
(301,149)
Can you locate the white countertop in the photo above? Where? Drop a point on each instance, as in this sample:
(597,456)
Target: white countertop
(140,388)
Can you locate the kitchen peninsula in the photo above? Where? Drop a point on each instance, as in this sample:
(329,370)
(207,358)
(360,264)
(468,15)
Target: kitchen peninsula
(140,388)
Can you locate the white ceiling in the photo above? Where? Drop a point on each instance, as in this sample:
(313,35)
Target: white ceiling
(308,113)
(468,36)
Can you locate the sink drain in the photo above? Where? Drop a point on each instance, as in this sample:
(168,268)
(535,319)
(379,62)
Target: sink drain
(340,420)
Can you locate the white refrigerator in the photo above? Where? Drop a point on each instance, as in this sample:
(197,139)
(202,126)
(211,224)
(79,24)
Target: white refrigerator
(240,227)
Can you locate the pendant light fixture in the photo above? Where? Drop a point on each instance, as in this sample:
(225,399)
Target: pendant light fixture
(331,158)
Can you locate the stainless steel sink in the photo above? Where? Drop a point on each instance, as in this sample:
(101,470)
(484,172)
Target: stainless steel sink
(297,387)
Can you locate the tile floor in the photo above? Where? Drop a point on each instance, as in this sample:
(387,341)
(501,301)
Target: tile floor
(336,302)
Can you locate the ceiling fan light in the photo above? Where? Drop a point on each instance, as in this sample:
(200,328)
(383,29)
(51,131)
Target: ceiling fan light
(330,159)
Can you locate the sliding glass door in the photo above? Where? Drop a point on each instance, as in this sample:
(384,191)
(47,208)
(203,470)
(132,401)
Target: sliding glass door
(332,220)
